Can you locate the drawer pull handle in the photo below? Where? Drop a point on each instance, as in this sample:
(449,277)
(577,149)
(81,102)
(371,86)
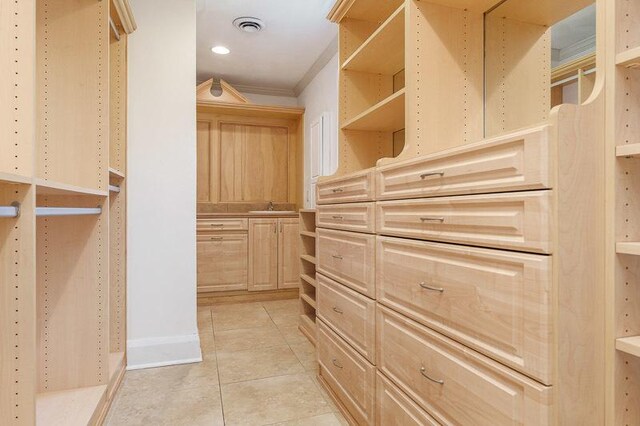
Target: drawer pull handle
(426,175)
(337,190)
(335,362)
(432,219)
(423,371)
(338,310)
(216,238)
(428,287)
(336,256)
(217,224)
(337,217)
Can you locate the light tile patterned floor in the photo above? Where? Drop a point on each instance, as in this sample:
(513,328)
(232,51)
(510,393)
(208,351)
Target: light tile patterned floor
(258,369)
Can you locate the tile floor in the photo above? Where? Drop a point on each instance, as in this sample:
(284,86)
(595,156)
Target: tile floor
(257,369)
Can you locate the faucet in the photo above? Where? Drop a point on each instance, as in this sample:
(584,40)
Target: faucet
(270,208)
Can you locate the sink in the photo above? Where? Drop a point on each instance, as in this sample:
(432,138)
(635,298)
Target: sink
(273,212)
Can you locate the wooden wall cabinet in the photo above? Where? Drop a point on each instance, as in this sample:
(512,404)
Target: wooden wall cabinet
(273,254)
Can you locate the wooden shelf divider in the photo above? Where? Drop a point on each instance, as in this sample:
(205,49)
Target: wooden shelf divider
(632,248)
(308,234)
(388,38)
(308,268)
(630,345)
(308,258)
(629,150)
(309,280)
(629,58)
(308,299)
(385,116)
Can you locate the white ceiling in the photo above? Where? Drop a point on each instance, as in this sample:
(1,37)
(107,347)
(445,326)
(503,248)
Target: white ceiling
(276,58)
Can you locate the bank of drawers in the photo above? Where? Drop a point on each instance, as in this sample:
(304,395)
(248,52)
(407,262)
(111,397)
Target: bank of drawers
(463,285)
(222,224)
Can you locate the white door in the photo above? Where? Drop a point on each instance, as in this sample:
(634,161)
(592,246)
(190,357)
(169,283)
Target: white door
(322,159)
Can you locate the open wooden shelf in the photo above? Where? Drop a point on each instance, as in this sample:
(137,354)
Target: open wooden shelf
(308,299)
(630,150)
(308,234)
(308,280)
(12,178)
(630,345)
(383,51)
(632,248)
(70,407)
(48,187)
(308,327)
(115,173)
(385,116)
(364,10)
(310,259)
(629,58)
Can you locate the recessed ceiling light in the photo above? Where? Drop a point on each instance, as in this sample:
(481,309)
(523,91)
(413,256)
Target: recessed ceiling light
(220,50)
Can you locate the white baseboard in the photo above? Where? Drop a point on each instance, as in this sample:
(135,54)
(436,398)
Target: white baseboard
(163,351)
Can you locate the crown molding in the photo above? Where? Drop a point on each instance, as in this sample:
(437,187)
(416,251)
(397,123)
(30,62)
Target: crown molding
(317,66)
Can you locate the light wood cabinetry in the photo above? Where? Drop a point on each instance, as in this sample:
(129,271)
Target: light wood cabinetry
(222,262)
(395,407)
(288,253)
(455,385)
(263,254)
(354,188)
(358,217)
(308,276)
(248,154)
(62,231)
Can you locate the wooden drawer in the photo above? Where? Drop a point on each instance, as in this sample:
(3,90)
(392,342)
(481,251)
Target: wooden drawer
(495,301)
(222,262)
(518,221)
(352,188)
(512,163)
(351,315)
(348,374)
(359,217)
(348,258)
(454,384)
(394,407)
(227,224)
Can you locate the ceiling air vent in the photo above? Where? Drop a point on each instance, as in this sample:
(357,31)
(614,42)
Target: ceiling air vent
(248,24)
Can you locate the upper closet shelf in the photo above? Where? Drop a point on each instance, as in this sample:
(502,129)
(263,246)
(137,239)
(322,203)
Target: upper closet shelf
(383,51)
(632,248)
(48,187)
(363,10)
(115,173)
(631,150)
(629,58)
(630,345)
(385,116)
(11,178)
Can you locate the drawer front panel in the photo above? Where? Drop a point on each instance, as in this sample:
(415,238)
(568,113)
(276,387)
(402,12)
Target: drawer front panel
(239,224)
(348,258)
(351,315)
(454,384)
(353,188)
(517,221)
(513,163)
(222,262)
(359,217)
(348,374)
(494,301)
(394,407)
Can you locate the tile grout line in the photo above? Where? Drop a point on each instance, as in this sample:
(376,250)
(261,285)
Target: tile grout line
(215,351)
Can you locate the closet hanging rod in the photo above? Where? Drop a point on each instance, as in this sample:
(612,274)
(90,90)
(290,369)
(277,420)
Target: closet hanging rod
(10,211)
(113,188)
(572,78)
(115,29)
(67,211)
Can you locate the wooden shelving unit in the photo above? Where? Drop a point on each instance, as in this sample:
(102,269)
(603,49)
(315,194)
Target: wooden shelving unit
(385,116)
(63,358)
(624,133)
(308,274)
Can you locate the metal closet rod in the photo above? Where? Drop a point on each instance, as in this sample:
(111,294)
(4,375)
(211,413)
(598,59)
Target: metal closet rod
(14,211)
(113,188)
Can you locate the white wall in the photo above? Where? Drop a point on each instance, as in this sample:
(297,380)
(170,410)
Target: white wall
(161,185)
(319,97)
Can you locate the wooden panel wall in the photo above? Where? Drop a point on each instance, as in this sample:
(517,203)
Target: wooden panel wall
(17,86)
(72,296)
(73,91)
(248,159)
(515,96)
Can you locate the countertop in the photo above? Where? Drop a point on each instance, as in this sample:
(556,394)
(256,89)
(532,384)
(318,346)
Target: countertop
(244,215)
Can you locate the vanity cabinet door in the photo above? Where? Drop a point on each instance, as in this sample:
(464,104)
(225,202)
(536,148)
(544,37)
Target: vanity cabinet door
(263,254)
(288,253)
(222,262)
